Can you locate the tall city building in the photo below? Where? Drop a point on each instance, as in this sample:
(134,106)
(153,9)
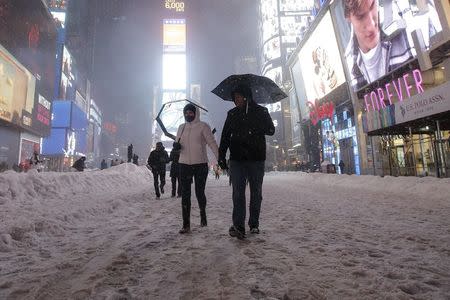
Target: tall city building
(73,130)
(27,59)
(282,24)
(174,84)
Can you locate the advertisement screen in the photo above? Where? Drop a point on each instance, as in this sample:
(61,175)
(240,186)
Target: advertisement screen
(295,117)
(292,27)
(78,118)
(60,17)
(17,89)
(55,144)
(296,5)
(61,114)
(27,149)
(376,35)
(174,71)
(271,49)
(321,65)
(269,14)
(174,35)
(299,86)
(28,32)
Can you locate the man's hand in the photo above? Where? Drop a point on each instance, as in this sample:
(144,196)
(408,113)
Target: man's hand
(223,164)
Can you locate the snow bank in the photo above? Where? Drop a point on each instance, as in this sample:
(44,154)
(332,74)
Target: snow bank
(35,203)
(390,186)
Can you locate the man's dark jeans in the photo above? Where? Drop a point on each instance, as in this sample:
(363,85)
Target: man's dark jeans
(198,172)
(241,172)
(161,174)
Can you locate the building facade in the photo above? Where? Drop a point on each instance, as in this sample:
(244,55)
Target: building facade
(391,112)
(27,52)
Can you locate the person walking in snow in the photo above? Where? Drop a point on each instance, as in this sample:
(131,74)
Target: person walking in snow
(157,161)
(130,152)
(79,164)
(341,166)
(175,169)
(135,159)
(244,134)
(193,136)
(103,165)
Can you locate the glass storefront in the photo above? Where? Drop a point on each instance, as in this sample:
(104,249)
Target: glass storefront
(339,142)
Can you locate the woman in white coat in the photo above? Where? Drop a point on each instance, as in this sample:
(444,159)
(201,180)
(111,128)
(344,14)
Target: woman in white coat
(193,136)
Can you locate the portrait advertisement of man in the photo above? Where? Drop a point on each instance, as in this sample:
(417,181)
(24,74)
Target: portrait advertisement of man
(377,34)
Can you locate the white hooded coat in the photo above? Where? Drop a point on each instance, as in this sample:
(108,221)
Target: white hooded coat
(193,137)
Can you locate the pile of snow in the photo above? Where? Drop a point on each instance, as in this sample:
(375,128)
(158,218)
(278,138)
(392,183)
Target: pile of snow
(35,203)
(104,235)
(416,187)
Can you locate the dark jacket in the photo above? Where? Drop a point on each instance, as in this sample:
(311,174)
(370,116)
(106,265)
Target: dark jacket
(79,164)
(158,160)
(174,168)
(244,133)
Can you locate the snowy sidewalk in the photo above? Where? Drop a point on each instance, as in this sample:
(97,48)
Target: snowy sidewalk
(323,237)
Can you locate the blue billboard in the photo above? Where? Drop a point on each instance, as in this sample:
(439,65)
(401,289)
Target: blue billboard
(55,144)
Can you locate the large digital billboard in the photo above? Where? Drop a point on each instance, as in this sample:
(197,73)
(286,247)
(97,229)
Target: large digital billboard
(28,32)
(174,35)
(295,118)
(321,65)
(299,86)
(376,35)
(174,71)
(17,91)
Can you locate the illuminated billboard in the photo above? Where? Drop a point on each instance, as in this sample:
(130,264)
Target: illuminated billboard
(321,66)
(296,5)
(174,5)
(295,118)
(17,91)
(376,35)
(174,35)
(29,34)
(174,71)
(269,15)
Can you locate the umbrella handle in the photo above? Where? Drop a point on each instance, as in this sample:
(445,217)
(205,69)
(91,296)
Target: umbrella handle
(182,130)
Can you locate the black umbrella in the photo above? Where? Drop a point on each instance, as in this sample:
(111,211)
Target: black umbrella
(264,90)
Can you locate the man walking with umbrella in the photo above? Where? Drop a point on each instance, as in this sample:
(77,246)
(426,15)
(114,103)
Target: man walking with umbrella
(244,135)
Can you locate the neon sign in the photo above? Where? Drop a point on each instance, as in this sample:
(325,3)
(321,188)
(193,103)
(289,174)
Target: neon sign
(174,5)
(320,112)
(376,99)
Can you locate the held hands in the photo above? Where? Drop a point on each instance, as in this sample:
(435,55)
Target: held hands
(223,164)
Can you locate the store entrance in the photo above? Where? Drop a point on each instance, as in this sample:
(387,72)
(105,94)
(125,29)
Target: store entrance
(347,155)
(422,154)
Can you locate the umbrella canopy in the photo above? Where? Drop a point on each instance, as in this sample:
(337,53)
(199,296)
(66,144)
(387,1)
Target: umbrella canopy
(170,116)
(264,90)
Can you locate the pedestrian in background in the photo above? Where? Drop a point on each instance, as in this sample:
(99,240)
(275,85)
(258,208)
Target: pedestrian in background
(103,165)
(79,164)
(130,152)
(157,161)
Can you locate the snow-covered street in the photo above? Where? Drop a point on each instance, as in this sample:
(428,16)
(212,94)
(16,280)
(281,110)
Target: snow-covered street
(103,235)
